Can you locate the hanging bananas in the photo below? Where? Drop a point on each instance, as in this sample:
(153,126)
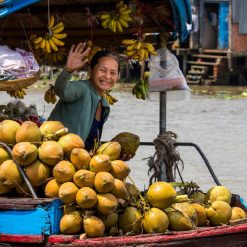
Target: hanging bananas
(18,94)
(51,41)
(118,20)
(93,50)
(138,50)
(140,90)
(50,96)
(110,99)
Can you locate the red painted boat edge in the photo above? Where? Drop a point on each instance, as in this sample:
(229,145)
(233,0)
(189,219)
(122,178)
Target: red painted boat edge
(12,238)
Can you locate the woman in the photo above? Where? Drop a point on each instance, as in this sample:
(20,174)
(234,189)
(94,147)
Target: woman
(82,107)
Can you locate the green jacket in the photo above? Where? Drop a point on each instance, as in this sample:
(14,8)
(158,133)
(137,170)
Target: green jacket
(77,105)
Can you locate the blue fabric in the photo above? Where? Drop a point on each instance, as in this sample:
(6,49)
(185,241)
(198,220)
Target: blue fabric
(181,17)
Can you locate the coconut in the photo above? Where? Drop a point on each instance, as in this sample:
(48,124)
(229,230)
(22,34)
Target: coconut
(63,171)
(51,188)
(8,130)
(84,178)
(9,174)
(120,190)
(110,220)
(130,221)
(86,197)
(28,132)
(51,152)
(129,142)
(107,203)
(218,193)
(201,214)
(38,173)
(24,153)
(4,189)
(80,158)
(71,223)
(197,196)
(4,155)
(69,142)
(112,149)
(93,226)
(238,213)
(155,221)
(50,127)
(119,169)
(100,163)
(104,182)
(67,192)
(161,195)
(219,213)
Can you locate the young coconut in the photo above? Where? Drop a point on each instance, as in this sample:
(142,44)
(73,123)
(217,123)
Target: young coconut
(9,174)
(86,197)
(119,169)
(201,213)
(38,173)
(100,163)
(52,188)
(120,190)
(28,132)
(93,226)
(155,221)
(8,130)
(51,152)
(112,149)
(238,213)
(71,223)
(24,153)
(80,158)
(63,171)
(84,178)
(50,127)
(197,196)
(4,155)
(110,220)
(107,203)
(104,182)
(67,192)
(218,193)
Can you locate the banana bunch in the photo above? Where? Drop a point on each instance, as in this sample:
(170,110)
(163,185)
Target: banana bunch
(50,96)
(118,20)
(93,50)
(18,94)
(51,41)
(56,56)
(140,90)
(138,50)
(110,99)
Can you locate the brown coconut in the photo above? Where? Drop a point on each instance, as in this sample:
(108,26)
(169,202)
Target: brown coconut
(84,178)
(50,127)
(104,182)
(67,192)
(51,152)
(119,169)
(8,130)
(86,197)
(69,142)
(120,190)
(63,171)
(112,149)
(80,158)
(4,155)
(9,174)
(38,173)
(28,132)
(51,188)
(24,153)
(71,223)
(107,203)
(100,163)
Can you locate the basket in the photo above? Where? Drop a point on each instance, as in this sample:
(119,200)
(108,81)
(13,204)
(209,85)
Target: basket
(16,84)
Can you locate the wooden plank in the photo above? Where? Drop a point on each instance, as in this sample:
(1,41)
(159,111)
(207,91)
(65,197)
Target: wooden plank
(202,63)
(215,51)
(207,56)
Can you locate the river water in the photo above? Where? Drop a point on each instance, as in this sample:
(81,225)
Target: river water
(217,125)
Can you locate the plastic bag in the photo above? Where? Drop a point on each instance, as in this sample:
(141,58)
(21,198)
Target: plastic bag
(165,72)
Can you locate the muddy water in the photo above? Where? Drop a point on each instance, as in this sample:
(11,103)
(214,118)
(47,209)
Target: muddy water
(218,126)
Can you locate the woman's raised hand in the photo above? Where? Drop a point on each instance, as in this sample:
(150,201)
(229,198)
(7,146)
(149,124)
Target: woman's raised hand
(77,58)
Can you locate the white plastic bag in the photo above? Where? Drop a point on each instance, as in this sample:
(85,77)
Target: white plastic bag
(165,72)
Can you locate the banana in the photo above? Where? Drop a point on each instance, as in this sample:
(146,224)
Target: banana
(60,24)
(122,8)
(138,45)
(52,45)
(119,26)
(59,35)
(123,22)
(105,23)
(126,17)
(47,46)
(42,44)
(125,12)
(131,47)
(131,53)
(57,41)
(119,4)
(58,30)
(51,22)
(105,16)
(37,40)
(128,41)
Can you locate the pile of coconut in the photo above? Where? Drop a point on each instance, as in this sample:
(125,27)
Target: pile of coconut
(98,200)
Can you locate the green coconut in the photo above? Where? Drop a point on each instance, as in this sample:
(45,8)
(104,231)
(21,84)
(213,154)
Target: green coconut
(218,193)
(197,196)
(112,149)
(129,142)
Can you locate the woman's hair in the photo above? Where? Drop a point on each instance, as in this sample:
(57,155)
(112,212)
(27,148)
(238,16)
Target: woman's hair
(104,53)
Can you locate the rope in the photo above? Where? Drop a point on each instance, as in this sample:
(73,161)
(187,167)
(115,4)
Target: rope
(165,153)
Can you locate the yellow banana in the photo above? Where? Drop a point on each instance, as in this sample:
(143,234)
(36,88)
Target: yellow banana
(119,4)
(60,24)
(123,22)
(47,46)
(105,23)
(51,22)
(119,26)
(138,45)
(131,47)
(37,40)
(57,41)
(122,8)
(128,41)
(126,17)
(42,44)
(58,30)
(131,53)
(52,45)
(104,16)
(60,35)
(141,54)
(125,12)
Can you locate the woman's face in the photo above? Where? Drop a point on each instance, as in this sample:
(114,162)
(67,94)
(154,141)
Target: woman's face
(104,74)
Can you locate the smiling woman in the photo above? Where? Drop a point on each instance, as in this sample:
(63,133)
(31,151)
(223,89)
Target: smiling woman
(82,107)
